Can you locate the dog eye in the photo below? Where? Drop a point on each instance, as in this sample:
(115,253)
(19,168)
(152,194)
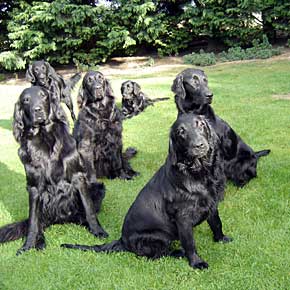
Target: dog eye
(43,67)
(199,124)
(42,94)
(90,80)
(181,132)
(205,80)
(25,100)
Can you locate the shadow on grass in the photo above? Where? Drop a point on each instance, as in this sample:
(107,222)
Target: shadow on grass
(6,124)
(13,192)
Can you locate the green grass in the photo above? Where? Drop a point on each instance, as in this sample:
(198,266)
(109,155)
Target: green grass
(257,216)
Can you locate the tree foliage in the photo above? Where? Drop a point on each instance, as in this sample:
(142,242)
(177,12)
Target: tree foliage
(90,32)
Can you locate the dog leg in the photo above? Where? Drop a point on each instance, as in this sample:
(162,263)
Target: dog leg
(215,224)
(88,161)
(34,237)
(80,182)
(184,228)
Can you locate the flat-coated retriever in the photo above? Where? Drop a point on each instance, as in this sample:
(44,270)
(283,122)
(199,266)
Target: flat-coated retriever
(98,130)
(193,95)
(59,191)
(41,73)
(184,192)
(134,101)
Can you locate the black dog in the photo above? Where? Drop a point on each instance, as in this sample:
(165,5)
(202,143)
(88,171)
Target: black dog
(41,73)
(184,192)
(59,191)
(134,101)
(98,130)
(193,95)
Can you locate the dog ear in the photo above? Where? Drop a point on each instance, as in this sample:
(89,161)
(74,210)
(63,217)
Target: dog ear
(136,88)
(50,70)
(29,75)
(18,122)
(108,89)
(177,86)
(55,110)
(123,88)
(81,99)
(212,137)
(172,153)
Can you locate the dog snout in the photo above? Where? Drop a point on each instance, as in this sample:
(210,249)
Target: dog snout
(198,145)
(209,96)
(38,109)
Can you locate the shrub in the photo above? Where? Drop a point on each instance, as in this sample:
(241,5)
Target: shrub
(259,50)
(201,59)
(233,53)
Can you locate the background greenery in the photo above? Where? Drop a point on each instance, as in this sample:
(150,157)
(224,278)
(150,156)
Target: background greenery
(257,216)
(90,32)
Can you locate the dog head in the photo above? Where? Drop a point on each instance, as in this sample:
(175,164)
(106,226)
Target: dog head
(39,73)
(193,85)
(192,142)
(130,89)
(95,87)
(34,109)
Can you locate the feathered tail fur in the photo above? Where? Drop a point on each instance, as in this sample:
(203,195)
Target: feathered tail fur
(13,231)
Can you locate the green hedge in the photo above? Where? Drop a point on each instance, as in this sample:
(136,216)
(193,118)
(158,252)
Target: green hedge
(259,50)
(89,32)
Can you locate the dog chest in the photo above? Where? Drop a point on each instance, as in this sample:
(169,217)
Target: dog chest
(196,202)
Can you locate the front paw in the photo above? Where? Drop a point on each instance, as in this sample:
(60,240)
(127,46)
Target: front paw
(40,244)
(100,233)
(23,249)
(224,239)
(200,264)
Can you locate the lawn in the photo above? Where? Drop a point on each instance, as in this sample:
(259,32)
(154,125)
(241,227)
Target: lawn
(256,216)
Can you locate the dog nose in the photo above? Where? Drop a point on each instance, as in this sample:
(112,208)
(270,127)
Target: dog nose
(37,109)
(198,146)
(209,95)
(98,87)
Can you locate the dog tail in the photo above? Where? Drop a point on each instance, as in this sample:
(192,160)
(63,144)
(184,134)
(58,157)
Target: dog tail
(129,153)
(73,80)
(114,246)
(159,99)
(13,231)
(261,153)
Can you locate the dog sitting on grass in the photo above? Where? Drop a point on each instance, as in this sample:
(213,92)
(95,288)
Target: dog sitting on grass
(59,191)
(193,95)
(184,192)
(98,130)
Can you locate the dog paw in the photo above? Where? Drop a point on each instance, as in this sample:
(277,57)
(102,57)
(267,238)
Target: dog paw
(23,249)
(40,245)
(201,265)
(223,239)
(102,234)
